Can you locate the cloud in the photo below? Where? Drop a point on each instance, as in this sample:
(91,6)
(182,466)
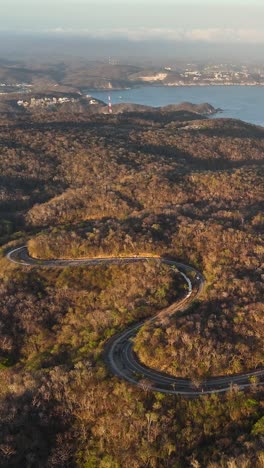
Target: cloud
(224,35)
(193,35)
(206,35)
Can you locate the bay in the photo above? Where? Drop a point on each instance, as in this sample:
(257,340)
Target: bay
(239,102)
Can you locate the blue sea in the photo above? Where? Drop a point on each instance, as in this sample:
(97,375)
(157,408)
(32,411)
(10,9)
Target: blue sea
(239,102)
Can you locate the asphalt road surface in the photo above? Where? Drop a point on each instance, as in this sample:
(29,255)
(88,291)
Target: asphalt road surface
(119,355)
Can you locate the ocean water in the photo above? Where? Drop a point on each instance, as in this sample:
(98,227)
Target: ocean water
(239,102)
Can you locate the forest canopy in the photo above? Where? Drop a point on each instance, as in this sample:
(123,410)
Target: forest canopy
(175,186)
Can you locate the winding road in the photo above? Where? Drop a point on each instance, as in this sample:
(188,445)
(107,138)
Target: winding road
(119,355)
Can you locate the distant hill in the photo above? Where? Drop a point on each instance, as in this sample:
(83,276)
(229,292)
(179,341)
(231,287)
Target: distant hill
(57,105)
(45,105)
(203,109)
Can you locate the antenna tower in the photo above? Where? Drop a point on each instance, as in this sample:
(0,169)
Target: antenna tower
(110,110)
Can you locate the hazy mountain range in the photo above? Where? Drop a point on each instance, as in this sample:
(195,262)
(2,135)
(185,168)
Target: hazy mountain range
(60,46)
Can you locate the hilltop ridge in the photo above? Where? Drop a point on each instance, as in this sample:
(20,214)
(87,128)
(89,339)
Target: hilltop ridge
(60,105)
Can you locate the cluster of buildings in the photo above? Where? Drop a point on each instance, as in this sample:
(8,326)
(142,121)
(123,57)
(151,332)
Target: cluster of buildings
(221,76)
(16,85)
(194,74)
(45,101)
(14,88)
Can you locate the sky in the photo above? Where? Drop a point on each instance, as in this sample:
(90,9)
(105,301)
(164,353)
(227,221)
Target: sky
(225,21)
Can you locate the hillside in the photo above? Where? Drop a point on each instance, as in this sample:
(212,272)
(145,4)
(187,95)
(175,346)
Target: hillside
(62,106)
(72,74)
(166,182)
(50,106)
(204,109)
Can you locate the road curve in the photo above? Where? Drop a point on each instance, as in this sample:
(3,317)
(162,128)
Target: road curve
(119,355)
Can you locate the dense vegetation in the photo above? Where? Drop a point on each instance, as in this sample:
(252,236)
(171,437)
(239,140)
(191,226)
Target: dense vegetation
(190,189)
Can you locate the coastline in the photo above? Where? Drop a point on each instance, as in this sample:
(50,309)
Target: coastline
(172,85)
(244,102)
